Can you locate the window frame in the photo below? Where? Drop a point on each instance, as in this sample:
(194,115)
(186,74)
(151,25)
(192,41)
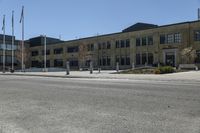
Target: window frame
(177,37)
(138,42)
(144,41)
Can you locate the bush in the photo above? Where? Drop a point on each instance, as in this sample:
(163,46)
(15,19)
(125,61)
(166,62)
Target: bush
(164,69)
(157,71)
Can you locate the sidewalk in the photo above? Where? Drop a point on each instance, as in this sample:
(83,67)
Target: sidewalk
(183,76)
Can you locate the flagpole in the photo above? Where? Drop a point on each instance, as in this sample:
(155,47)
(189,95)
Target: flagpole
(12,40)
(22,21)
(45,54)
(4,44)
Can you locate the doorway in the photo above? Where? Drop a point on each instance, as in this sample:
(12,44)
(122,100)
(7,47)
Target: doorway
(170,59)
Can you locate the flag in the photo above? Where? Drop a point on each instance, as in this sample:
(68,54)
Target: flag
(3,27)
(198,13)
(12,19)
(22,14)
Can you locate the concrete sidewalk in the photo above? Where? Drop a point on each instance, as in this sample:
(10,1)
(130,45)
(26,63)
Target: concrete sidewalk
(183,76)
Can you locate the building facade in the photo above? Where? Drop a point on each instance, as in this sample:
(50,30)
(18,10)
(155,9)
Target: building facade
(8,52)
(141,44)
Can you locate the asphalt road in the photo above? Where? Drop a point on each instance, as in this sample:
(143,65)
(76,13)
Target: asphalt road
(57,105)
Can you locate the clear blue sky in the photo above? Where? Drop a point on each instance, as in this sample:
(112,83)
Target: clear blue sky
(83,18)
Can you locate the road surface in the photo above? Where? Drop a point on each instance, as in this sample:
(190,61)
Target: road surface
(57,105)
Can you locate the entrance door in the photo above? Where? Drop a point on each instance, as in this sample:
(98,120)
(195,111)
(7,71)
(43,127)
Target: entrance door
(170,59)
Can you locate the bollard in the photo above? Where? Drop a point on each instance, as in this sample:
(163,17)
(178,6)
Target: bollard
(133,66)
(91,67)
(67,68)
(158,64)
(99,69)
(117,67)
(146,64)
(24,68)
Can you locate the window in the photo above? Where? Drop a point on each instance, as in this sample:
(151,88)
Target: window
(35,53)
(99,45)
(100,62)
(9,47)
(122,44)
(127,43)
(34,64)
(117,44)
(87,63)
(150,40)
(58,63)
(117,59)
(137,41)
(47,52)
(128,60)
(90,47)
(104,61)
(122,60)
(197,60)
(108,45)
(73,63)
(58,51)
(8,59)
(197,35)
(108,61)
(47,63)
(162,39)
(150,58)
(72,49)
(144,41)
(1,59)
(144,58)
(138,59)
(104,45)
(170,38)
(177,37)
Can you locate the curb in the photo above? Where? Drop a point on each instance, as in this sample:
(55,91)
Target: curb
(87,77)
(55,76)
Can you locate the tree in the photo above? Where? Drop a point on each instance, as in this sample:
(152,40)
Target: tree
(188,55)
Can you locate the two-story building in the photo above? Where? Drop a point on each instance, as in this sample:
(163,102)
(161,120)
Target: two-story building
(141,44)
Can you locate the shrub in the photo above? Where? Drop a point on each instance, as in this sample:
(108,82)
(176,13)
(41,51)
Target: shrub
(164,69)
(157,71)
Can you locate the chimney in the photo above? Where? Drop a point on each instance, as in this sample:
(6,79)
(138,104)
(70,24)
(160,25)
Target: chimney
(198,13)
